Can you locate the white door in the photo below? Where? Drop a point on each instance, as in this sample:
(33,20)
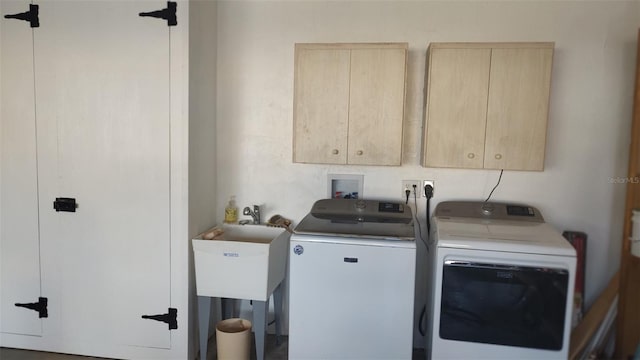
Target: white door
(102,85)
(19,242)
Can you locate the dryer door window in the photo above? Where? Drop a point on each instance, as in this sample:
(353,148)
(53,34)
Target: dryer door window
(503,304)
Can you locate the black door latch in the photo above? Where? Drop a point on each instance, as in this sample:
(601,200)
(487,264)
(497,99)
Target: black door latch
(65,204)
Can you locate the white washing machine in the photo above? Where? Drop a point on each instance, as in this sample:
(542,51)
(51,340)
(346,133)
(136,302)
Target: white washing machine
(502,284)
(352,280)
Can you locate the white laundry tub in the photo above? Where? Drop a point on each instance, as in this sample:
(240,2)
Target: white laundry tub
(245,262)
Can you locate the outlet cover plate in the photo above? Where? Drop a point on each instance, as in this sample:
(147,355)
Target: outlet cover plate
(408,184)
(428,182)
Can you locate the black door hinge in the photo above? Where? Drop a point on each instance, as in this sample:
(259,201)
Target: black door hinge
(168,14)
(170,318)
(65,204)
(31,16)
(40,307)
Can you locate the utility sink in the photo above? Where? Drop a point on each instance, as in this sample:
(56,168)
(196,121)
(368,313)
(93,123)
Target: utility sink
(245,262)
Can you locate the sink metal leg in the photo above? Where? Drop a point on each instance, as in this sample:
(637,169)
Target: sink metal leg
(260,311)
(277,304)
(227,306)
(204,311)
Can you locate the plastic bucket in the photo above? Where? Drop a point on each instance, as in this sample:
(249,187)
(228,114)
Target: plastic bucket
(233,339)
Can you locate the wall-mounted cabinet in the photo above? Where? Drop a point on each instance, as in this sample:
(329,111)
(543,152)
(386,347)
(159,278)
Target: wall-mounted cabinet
(349,103)
(487,105)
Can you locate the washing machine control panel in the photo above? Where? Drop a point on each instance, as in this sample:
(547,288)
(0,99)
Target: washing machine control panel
(359,219)
(518,210)
(390,207)
(362,210)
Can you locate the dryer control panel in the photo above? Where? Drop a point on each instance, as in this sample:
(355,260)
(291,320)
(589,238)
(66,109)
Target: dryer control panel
(488,211)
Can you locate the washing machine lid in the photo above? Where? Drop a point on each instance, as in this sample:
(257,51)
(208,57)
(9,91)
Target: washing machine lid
(359,218)
(505,228)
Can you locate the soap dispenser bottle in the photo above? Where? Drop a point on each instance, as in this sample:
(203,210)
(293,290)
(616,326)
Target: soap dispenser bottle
(231,211)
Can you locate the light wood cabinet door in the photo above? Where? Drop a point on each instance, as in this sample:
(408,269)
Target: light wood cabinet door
(487,105)
(349,103)
(321,105)
(457,107)
(517,109)
(376,106)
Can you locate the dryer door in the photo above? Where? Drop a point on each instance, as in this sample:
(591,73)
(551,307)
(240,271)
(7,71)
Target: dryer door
(503,304)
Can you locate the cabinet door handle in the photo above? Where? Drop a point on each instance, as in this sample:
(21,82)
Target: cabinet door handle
(471,155)
(335,152)
(498,156)
(31,16)
(360,152)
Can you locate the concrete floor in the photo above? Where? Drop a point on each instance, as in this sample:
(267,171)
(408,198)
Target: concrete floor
(272,351)
(15,354)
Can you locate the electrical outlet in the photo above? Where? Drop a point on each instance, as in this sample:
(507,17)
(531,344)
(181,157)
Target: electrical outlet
(408,185)
(428,182)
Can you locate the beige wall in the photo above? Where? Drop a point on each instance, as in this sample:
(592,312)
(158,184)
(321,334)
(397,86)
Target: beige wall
(590,114)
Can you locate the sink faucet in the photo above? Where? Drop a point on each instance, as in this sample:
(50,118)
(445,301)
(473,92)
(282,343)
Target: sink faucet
(255,214)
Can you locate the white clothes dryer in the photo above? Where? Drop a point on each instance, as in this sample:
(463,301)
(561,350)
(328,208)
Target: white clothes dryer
(502,284)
